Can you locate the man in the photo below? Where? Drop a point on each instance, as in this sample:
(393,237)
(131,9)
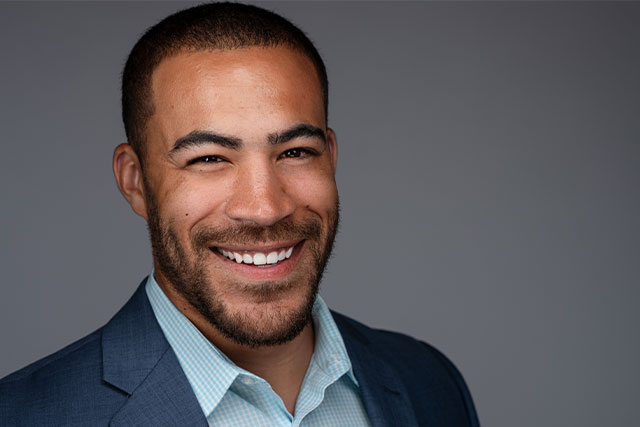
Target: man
(230,161)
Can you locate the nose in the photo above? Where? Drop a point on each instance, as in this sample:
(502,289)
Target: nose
(259,196)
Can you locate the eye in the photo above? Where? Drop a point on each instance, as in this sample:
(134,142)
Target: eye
(297,153)
(206,159)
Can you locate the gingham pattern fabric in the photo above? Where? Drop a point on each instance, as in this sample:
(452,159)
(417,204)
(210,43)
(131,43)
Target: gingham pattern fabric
(232,396)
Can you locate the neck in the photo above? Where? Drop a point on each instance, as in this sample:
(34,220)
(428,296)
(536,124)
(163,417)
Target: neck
(283,366)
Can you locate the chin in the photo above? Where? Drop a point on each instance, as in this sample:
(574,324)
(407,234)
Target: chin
(275,314)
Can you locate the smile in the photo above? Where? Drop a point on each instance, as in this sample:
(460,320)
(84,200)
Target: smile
(255,257)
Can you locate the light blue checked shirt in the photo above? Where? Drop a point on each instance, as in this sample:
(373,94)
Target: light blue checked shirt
(232,396)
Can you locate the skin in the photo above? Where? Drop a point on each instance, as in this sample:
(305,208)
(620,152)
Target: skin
(247,94)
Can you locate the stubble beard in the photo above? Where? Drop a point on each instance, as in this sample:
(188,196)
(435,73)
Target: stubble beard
(189,277)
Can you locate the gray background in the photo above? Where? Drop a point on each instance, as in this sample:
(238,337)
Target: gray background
(489,165)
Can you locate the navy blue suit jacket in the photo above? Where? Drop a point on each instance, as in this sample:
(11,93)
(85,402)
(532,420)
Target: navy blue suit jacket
(126,374)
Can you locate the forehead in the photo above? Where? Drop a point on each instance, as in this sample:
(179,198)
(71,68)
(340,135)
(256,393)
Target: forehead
(234,91)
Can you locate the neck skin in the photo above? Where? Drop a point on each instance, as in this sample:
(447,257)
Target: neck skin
(282,366)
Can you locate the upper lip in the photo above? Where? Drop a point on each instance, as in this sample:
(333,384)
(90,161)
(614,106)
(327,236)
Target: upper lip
(258,248)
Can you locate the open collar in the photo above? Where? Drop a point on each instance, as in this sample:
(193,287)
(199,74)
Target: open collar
(212,374)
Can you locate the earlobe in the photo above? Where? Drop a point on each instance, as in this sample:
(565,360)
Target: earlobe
(333,147)
(128,174)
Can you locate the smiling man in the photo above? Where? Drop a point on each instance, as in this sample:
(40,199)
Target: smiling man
(230,161)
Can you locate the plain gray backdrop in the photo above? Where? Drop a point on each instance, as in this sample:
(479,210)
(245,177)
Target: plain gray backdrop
(489,164)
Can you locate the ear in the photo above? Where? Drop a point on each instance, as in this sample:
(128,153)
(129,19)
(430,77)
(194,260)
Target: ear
(333,148)
(128,174)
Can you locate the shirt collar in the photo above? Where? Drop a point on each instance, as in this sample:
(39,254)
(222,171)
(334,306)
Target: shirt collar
(211,373)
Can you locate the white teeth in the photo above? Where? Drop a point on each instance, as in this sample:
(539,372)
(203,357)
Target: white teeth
(258,258)
(272,258)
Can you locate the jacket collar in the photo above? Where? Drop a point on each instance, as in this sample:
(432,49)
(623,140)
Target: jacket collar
(138,360)
(383,394)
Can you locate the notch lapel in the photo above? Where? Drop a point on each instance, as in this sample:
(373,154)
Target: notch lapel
(384,396)
(138,360)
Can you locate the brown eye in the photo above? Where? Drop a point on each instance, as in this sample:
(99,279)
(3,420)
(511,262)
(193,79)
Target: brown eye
(293,153)
(297,153)
(206,159)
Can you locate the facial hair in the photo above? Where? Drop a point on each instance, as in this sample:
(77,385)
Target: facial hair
(188,275)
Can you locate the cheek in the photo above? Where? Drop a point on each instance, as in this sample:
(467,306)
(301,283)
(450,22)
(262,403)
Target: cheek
(190,201)
(315,192)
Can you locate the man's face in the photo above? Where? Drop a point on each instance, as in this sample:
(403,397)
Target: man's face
(240,193)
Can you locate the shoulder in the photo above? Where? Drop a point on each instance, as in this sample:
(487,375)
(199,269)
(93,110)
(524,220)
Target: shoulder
(393,346)
(429,376)
(61,386)
(81,348)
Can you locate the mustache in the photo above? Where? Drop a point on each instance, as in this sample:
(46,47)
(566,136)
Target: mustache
(286,229)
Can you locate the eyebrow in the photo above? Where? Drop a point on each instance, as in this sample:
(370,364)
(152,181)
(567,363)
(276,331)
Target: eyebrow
(198,138)
(302,130)
(203,137)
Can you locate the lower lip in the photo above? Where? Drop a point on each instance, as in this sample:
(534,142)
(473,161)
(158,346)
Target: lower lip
(266,271)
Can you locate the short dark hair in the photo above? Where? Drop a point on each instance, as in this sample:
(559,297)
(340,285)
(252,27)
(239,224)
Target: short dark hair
(212,26)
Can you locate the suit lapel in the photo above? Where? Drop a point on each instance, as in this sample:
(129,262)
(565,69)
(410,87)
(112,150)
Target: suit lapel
(384,396)
(163,399)
(138,360)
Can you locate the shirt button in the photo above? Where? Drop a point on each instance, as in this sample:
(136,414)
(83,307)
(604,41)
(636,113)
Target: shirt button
(247,380)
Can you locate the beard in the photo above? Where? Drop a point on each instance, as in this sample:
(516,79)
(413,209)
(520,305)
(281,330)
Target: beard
(186,271)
